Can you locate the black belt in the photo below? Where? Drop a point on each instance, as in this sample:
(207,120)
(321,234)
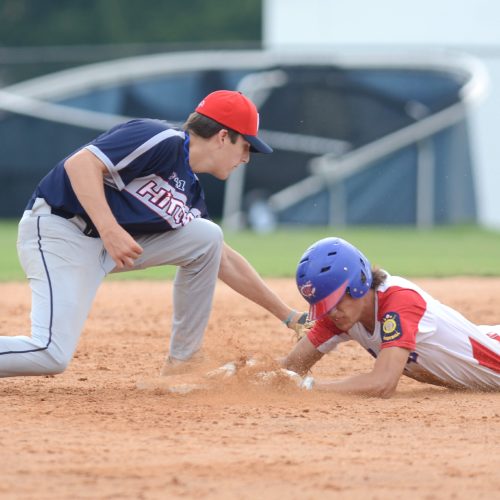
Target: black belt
(61,213)
(89,229)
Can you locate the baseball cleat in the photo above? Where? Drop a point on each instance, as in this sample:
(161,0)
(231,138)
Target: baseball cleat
(224,371)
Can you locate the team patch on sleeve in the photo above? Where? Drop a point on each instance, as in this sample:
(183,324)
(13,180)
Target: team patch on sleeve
(391,327)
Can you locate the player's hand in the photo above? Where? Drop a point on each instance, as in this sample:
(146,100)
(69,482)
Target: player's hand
(300,325)
(120,245)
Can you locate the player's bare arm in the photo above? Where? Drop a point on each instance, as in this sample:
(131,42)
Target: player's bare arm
(381,382)
(86,172)
(239,274)
(302,358)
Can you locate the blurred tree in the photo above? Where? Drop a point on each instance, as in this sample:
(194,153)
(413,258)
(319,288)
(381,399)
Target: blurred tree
(77,22)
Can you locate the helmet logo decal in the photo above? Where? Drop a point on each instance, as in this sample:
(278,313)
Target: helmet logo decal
(307,290)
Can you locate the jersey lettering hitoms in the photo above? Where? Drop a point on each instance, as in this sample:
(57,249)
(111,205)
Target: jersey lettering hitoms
(163,199)
(149,185)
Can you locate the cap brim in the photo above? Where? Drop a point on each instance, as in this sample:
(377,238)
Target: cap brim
(257,145)
(324,306)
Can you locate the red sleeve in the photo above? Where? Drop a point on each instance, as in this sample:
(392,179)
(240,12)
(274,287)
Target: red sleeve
(399,312)
(324,329)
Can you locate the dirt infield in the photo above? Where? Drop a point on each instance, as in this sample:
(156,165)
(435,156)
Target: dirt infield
(91,433)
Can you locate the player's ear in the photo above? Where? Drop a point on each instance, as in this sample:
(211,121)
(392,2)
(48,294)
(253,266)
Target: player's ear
(223,136)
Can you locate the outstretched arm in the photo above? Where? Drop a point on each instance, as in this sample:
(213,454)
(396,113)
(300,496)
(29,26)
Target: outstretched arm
(381,381)
(302,357)
(236,272)
(85,172)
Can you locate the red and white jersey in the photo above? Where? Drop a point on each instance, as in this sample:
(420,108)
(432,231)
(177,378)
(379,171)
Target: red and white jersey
(444,346)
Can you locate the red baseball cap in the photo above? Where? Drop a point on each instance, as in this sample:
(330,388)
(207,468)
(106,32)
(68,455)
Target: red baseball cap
(235,111)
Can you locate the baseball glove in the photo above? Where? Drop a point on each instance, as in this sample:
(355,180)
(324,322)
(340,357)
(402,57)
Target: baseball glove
(301,326)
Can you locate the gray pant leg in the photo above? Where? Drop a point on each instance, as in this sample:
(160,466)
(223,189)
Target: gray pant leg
(194,287)
(196,248)
(64,270)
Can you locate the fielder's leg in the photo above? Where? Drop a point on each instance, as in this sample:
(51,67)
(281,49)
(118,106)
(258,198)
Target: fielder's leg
(64,270)
(196,248)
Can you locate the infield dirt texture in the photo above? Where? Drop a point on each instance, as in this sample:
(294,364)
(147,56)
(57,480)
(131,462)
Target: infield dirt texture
(91,433)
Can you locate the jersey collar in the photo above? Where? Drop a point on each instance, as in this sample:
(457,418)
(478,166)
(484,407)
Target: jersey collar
(186,156)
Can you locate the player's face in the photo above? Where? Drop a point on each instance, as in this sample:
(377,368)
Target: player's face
(347,312)
(230,156)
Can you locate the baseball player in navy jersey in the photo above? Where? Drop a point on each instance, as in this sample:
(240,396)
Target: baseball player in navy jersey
(128,200)
(405,329)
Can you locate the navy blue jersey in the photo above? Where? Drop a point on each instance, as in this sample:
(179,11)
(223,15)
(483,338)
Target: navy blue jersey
(149,185)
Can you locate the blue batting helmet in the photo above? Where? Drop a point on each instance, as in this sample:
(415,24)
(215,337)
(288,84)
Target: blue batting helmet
(328,269)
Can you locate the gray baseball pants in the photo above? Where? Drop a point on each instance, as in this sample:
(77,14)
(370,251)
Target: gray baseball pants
(65,269)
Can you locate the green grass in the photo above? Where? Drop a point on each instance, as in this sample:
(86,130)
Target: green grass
(443,251)
(9,264)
